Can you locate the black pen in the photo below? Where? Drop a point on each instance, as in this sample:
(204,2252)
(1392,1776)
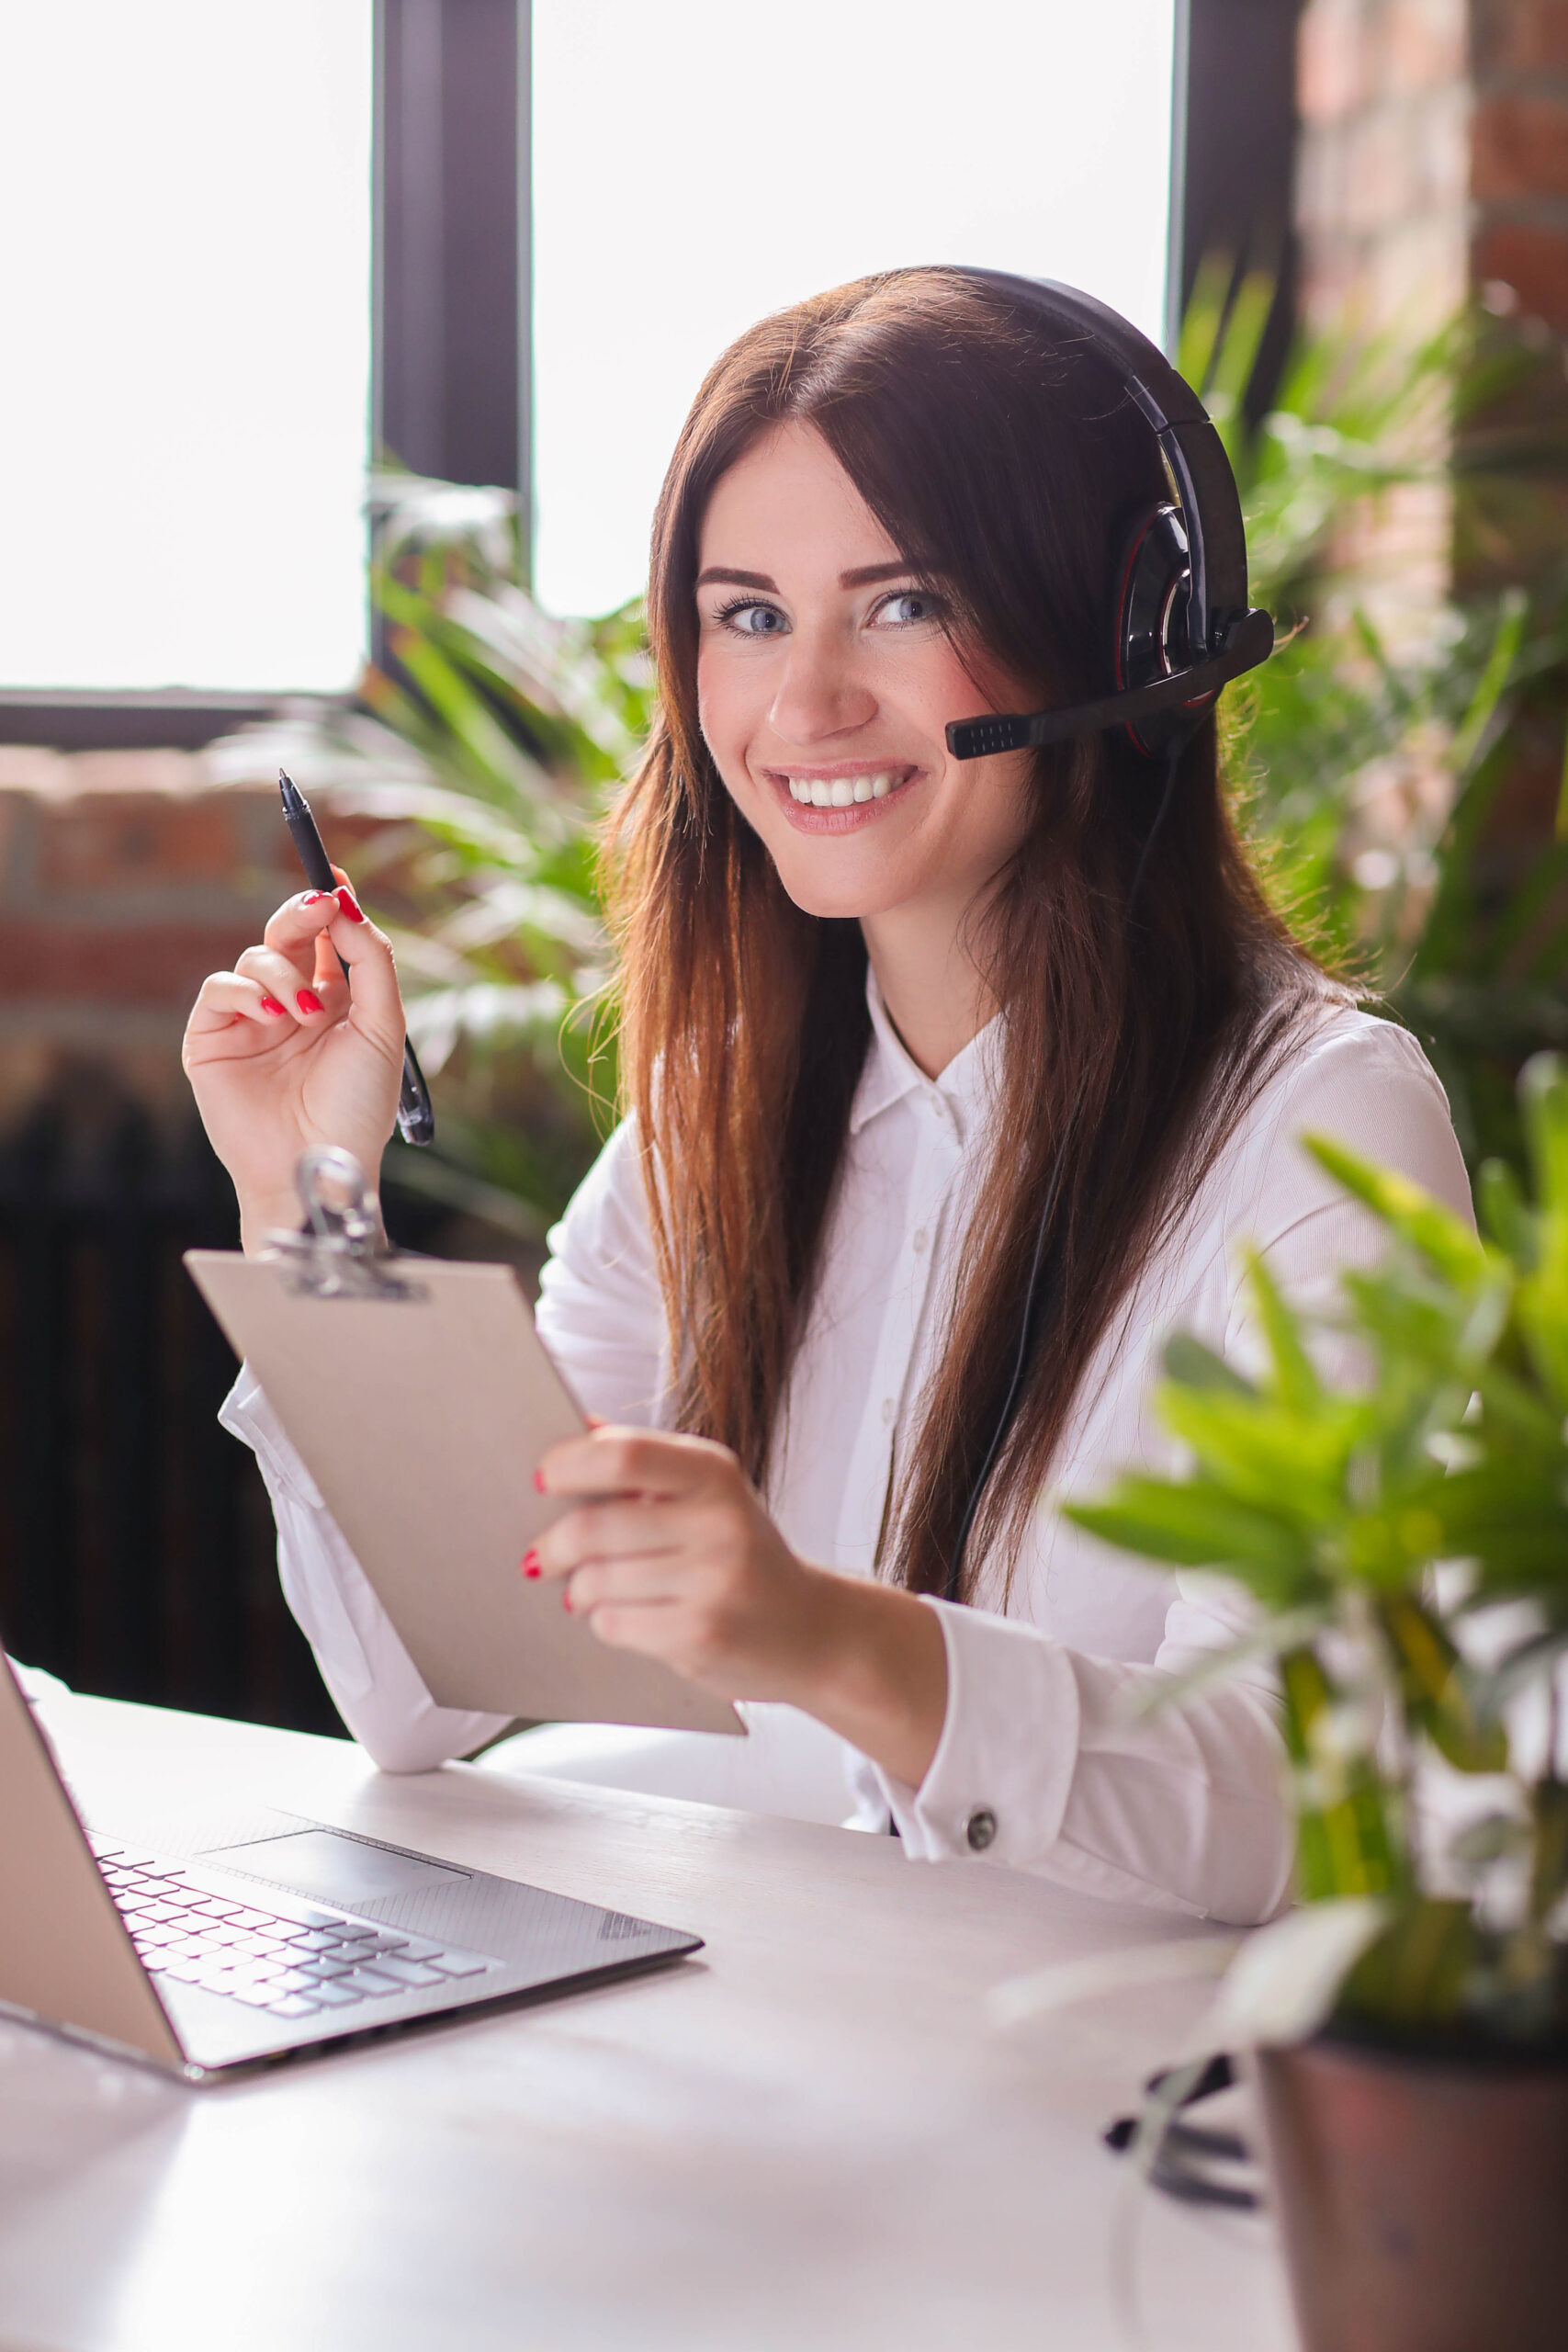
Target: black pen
(416,1120)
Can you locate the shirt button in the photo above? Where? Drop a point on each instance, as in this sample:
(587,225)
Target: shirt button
(980,1830)
(922,1238)
(888,1409)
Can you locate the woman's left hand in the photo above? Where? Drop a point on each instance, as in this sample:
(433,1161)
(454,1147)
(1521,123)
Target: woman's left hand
(666,1549)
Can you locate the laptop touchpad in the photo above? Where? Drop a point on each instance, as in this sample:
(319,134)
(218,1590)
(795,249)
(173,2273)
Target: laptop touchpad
(332,1868)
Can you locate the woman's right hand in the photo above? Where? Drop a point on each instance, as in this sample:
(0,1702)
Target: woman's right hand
(284,1053)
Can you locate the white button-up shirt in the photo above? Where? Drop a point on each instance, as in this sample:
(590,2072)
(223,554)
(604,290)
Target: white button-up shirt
(1049,1758)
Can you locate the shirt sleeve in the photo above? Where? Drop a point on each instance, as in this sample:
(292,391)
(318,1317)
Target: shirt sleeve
(600,1316)
(1071,1766)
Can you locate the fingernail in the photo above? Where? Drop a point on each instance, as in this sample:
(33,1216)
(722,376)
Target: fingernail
(271,1004)
(530,1563)
(566,1600)
(345,901)
(314,898)
(539,1480)
(308,1001)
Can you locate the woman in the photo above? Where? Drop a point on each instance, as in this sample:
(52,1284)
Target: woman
(885,1015)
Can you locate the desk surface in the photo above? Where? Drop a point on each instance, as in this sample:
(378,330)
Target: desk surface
(807,2137)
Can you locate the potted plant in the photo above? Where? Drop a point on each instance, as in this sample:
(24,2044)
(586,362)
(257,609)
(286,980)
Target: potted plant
(1406,1538)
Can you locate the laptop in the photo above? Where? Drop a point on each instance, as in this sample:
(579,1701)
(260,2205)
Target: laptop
(273,1936)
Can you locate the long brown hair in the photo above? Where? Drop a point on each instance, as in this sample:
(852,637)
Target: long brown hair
(1008,468)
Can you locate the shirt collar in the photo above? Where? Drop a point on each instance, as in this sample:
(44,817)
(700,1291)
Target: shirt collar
(965,1088)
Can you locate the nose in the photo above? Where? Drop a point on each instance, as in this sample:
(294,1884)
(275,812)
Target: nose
(822,690)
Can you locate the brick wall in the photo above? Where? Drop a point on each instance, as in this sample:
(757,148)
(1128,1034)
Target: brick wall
(1383,176)
(1383,198)
(1519,153)
(1518,529)
(1434,159)
(125,879)
(1434,167)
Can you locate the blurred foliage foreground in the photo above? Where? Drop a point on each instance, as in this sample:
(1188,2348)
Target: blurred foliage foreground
(1405,1538)
(1400,760)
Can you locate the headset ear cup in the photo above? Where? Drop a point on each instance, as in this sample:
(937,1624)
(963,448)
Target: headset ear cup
(1152,639)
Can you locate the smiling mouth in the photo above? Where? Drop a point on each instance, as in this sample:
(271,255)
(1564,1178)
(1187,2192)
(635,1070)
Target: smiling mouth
(842,791)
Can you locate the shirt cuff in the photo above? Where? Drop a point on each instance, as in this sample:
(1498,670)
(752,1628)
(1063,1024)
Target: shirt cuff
(246,1414)
(989,1791)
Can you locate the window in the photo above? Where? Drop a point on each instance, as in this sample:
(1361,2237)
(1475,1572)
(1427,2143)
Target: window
(185,281)
(696,167)
(184,414)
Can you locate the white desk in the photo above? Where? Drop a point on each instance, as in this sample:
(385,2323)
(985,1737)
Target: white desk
(807,2138)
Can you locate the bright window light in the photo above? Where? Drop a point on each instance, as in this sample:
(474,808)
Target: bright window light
(697,166)
(184,279)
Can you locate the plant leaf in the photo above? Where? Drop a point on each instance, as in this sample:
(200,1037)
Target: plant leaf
(1295,1380)
(1286,1979)
(1199,1525)
(1430,1228)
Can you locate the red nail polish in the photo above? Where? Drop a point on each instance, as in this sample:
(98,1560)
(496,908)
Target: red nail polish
(566,1600)
(531,1563)
(345,901)
(271,1004)
(539,1480)
(314,898)
(308,1001)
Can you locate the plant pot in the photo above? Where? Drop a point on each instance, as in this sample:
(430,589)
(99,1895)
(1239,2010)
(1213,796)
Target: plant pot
(1422,2195)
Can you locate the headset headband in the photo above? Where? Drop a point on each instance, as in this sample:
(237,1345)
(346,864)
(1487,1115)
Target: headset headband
(1225,635)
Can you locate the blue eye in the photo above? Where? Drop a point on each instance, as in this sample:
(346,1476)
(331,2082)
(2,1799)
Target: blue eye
(747,618)
(907,606)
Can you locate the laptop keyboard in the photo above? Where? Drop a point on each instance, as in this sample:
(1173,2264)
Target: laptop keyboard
(292,1962)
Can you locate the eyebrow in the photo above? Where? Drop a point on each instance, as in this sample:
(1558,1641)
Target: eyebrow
(737,579)
(864,576)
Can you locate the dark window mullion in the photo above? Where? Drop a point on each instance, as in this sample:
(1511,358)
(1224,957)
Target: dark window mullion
(450,270)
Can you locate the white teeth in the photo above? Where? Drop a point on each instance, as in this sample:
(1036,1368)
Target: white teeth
(842,792)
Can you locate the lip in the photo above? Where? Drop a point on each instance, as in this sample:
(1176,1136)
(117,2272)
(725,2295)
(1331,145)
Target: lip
(807,819)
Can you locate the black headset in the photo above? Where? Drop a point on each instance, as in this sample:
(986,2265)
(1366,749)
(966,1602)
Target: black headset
(1183,629)
(1183,624)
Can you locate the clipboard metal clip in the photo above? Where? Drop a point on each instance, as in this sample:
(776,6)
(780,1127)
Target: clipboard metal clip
(340,1253)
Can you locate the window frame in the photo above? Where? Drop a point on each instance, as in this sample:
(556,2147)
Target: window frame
(1235,129)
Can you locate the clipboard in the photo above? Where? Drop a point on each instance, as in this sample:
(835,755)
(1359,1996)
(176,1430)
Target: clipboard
(419,1397)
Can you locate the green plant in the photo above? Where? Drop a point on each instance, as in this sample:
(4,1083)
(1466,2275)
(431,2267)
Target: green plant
(1407,1540)
(1384,781)
(491,736)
